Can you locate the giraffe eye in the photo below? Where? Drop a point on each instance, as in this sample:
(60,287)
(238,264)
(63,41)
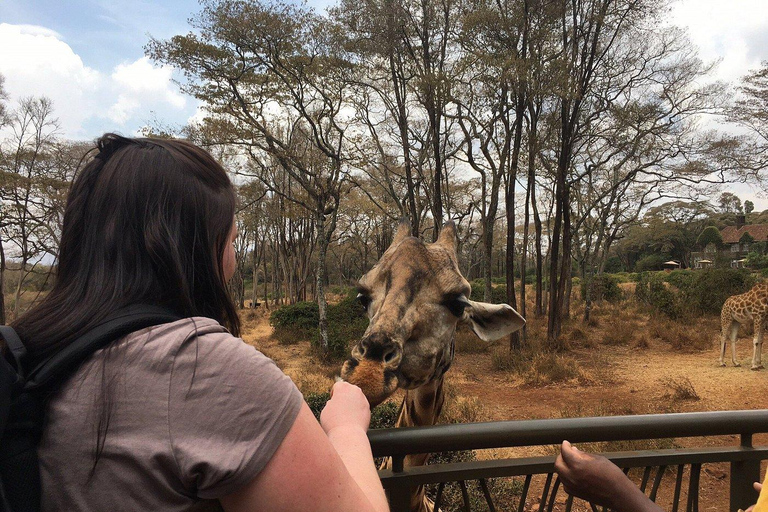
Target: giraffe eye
(456,305)
(364,300)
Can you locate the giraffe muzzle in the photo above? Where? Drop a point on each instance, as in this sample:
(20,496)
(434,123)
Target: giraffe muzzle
(375,380)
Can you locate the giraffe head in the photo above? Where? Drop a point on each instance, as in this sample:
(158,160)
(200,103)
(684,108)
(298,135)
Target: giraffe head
(415,297)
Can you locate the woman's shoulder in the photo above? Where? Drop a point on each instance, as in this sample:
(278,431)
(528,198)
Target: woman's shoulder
(195,345)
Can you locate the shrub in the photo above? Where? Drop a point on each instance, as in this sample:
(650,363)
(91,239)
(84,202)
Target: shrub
(302,315)
(652,290)
(710,288)
(538,368)
(498,293)
(316,402)
(757,261)
(681,279)
(650,262)
(604,287)
(346,322)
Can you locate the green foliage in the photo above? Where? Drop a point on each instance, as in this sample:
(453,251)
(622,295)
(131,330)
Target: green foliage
(710,235)
(385,415)
(699,292)
(316,402)
(681,279)
(712,287)
(614,265)
(746,238)
(757,261)
(604,287)
(652,290)
(650,262)
(302,315)
(347,322)
(498,293)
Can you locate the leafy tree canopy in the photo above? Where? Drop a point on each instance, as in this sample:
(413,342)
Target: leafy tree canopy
(710,235)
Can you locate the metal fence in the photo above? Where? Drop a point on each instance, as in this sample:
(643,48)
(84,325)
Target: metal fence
(744,458)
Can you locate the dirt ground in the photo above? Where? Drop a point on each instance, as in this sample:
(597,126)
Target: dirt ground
(621,379)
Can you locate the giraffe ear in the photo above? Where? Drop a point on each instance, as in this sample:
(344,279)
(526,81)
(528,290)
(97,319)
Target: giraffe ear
(447,236)
(403,231)
(492,321)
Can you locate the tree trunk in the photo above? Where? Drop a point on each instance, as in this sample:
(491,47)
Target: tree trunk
(2,284)
(323,240)
(509,199)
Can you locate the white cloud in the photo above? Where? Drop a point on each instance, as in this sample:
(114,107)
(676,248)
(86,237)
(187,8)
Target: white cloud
(726,31)
(36,61)
(142,83)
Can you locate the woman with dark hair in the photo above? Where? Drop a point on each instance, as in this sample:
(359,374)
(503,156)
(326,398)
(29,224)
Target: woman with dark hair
(182,412)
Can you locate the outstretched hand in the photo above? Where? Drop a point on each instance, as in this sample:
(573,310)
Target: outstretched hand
(347,407)
(597,480)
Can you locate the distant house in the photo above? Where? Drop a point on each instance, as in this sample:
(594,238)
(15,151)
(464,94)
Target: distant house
(736,244)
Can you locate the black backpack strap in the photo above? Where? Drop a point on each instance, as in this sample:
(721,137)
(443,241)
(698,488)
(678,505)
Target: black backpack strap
(15,346)
(117,325)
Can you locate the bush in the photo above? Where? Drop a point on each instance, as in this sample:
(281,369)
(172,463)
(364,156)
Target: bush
(302,315)
(650,262)
(698,292)
(710,288)
(604,287)
(346,322)
(652,290)
(757,261)
(681,279)
(498,293)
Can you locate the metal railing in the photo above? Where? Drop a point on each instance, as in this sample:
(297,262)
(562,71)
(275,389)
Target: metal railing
(744,458)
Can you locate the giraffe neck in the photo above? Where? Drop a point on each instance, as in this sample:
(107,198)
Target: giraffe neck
(421,407)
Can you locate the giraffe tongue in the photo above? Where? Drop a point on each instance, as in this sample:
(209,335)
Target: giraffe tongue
(369,376)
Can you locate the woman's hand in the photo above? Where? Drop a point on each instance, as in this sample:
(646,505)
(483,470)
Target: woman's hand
(347,407)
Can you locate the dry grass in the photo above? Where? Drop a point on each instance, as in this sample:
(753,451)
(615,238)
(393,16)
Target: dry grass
(310,381)
(461,409)
(467,342)
(680,388)
(540,368)
(622,332)
(680,336)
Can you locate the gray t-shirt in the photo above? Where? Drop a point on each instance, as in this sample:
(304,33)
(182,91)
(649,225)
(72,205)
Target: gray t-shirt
(195,415)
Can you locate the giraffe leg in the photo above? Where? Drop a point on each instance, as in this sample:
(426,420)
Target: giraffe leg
(757,344)
(734,335)
(724,335)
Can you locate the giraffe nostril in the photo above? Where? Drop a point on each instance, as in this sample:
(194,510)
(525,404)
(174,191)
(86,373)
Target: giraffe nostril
(390,356)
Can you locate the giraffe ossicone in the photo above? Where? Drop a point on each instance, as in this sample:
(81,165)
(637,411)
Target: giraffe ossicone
(415,297)
(747,308)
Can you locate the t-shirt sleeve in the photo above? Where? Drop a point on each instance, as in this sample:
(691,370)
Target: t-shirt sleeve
(229,408)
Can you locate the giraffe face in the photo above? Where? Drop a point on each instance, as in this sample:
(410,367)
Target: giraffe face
(415,296)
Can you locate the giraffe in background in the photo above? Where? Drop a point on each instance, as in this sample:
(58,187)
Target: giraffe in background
(749,307)
(415,296)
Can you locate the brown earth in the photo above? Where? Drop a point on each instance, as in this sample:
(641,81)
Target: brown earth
(638,374)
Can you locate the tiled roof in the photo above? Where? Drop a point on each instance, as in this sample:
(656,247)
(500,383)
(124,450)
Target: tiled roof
(732,235)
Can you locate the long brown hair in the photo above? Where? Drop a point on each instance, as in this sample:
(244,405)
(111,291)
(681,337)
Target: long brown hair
(146,221)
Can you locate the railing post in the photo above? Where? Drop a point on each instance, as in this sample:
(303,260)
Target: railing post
(399,494)
(743,474)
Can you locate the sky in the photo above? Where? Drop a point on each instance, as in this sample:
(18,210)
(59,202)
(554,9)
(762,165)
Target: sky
(88,57)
